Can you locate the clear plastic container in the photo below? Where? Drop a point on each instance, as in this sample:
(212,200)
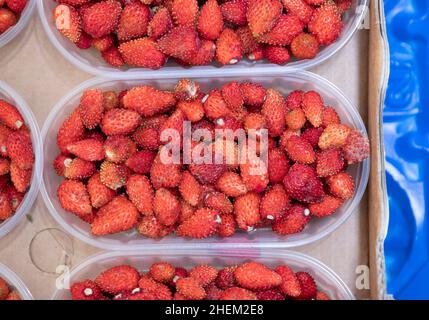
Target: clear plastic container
(15,282)
(9,95)
(314,231)
(326,279)
(22,22)
(91,62)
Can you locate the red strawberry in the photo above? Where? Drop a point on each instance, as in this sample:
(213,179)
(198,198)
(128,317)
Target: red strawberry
(148,101)
(225,278)
(133,22)
(123,278)
(184,12)
(304,46)
(312,105)
(120,121)
(290,284)
(210,20)
(277,55)
(312,135)
(273,294)
(20,150)
(142,52)
(140,193)
(308,286)
(98,192)
(227,226)
(113,57)
(262,15)
(215,106)
(193,110)
(326,207)
(286,29)
(147,138)
(16,6)
(67,21)
(180,42)
(204,55)
(246,210)
(112,175)
(278,165)
(162,272)
(253,94)
(21,178)
(166,207)
(329,162)
(118,148)
(117,216)
(274,110)
(254,172)
(87,149)
(231,184)
(229,49)
(186,211)
(334,136)
(326,24)
(300,150)
(160,23)
(151,228)
(295,119)
(5,213)
(256,276)
(141,162)
(330,116)
(78,169)
(4,166)
(187,90)
(10,116)
(299,8)
(341,185)
(218,201)
(254,121)
(204,274)
(322,296)
(236,293)
(164,175)
(189,188)
(207,173)
(257,54)
(74,197)
(155,290)
(15,197)
(104,43)
(302,184)
(202,224)
(248,42)
(4,134)
(294,99)
(101,18)
(235,11)
(85,290)
(190,288)
(178,274)
(356,148)
(213,292)
(274,203)
(232,95)
(85,41)
(286,135)
(294,221)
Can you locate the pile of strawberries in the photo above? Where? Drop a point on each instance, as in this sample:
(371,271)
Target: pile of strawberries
(7,292)
(10,11)
(116,180)
(248,281)
(16,159)
(145,33)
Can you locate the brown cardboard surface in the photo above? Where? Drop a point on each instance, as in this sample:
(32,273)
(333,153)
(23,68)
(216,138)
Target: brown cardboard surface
(34,68)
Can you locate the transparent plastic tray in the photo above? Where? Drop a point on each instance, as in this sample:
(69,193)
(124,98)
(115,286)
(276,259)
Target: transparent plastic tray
(15,282)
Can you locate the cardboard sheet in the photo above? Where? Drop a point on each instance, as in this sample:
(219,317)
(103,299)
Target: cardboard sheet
(34,68)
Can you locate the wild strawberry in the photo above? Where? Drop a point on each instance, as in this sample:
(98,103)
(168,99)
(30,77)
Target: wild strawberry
(160,23)
(179,273)
(118,148)
(148,101)
(113,57)
(166,207)
(186,90)
(175,123)
(213,292)
(294,221)
(341,185)
(229,49)
(254,173)
(4,135)
(123,278)
(104,43)
(14,296)
(231,184)
(300,150)
(85,41)
(74,197)
(164,175)
(356,148)
(312,135)
(274,110)
(180,42)
(329,162)
(286,135)
(225,278)
(312,105)
(117,216)
(254,121)
(141,194)
(304,46)
(142,52)
(98,192)
(246,210)
(204,274)
(162,272)
(4,166)
(150,227)
(133,22)
(15,197)
(190,288)
(113,175)
(232,95)
(156,290)
(253,94)
(67,21)
(277,55)
(193,110)
(227,225)
(210,20)
(184,12)
(273,294)
(178,296)
(326,24)
(16,6)
(20,178)
(20,150)
(322,296)
(147,138)
(295,119)
(235,11)
(256,276)
(236,293)
(274,203)
(71,130)
(330,116)
(248,42)
(141,161)
(299,8)
(278,165)
(218,201)
(101,18)
(308,286)
(87,149)
(10,116)
(190,188)
(263,15)
(78,168)
(5,213)
(326,207)
(85,290)
(207,173)
(257,54)
(290,284)
(302,184)
(202,224)
(334,136)
(186,211)
(120,121)
(286,29)
(294,99)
